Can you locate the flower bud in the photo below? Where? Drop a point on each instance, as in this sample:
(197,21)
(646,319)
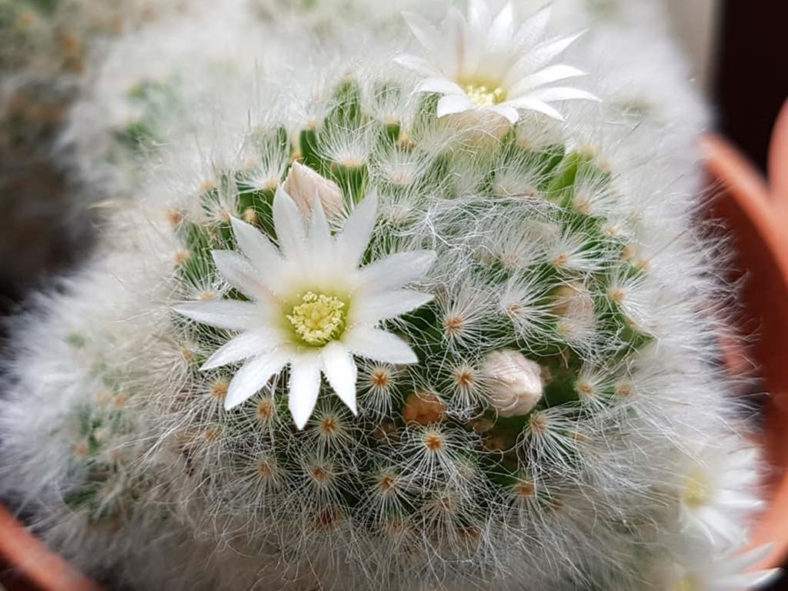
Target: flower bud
(574,305)
(573,300)
(514,382)
(303,183)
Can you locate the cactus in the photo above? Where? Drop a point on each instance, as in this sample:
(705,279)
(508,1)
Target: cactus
(408,341)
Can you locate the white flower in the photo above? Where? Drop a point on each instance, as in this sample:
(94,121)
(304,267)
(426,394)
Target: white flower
(494,66)
(311,307)
(725,573)
(717,493)
(515,383)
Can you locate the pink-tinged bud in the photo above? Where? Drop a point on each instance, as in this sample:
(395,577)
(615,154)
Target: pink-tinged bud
(514,382)
(303,183)
(574,306)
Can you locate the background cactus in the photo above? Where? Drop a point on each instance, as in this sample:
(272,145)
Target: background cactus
(566,426)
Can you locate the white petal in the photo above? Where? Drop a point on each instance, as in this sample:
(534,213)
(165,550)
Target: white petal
(534,27)
(379,345)
(417,64)
(439,85)
(357,230)
(756,580)
(228,314)
(289,225)
(532,104)
(374,307)
(238,272)
(456,20)
(562,93)
(479,15)
(422,29)
(750,580)
(397,270)
(750,558)
(504,110)
(304,388)
(248,344)
(256,246)
(719,525)
(501,29)
(545,52)
(544,76)
(452,103)
(734,499)
(538,57)
(340,370)
(319,232)
(252,377)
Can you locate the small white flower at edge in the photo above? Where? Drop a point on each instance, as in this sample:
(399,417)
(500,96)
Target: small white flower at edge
(727,572)
(717,494)
(493,65)
(311,306)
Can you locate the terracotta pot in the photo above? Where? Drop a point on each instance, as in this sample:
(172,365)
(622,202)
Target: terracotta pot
(27,565)
(757,214)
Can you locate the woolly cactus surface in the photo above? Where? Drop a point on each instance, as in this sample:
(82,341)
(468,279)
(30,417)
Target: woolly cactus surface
(437,334)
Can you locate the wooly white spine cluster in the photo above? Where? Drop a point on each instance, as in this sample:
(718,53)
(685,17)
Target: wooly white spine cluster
(566,424)
(46,54)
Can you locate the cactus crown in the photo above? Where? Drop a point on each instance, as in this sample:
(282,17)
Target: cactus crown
(434,471)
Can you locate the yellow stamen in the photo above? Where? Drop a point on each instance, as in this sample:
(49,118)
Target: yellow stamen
(318,318)
(484,94)
(697,491)
(685,584)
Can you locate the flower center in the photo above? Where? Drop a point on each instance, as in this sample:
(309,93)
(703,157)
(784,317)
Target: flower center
(484,94)
(696,491)
(318,318)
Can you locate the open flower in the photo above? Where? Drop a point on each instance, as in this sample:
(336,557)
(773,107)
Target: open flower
(494,65)
(718,493)
(726,572)
(310,305)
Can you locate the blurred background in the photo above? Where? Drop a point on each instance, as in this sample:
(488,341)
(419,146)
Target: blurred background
(740,62)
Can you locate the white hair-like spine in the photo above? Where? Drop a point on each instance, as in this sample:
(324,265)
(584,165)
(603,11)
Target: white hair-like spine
(571,242)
